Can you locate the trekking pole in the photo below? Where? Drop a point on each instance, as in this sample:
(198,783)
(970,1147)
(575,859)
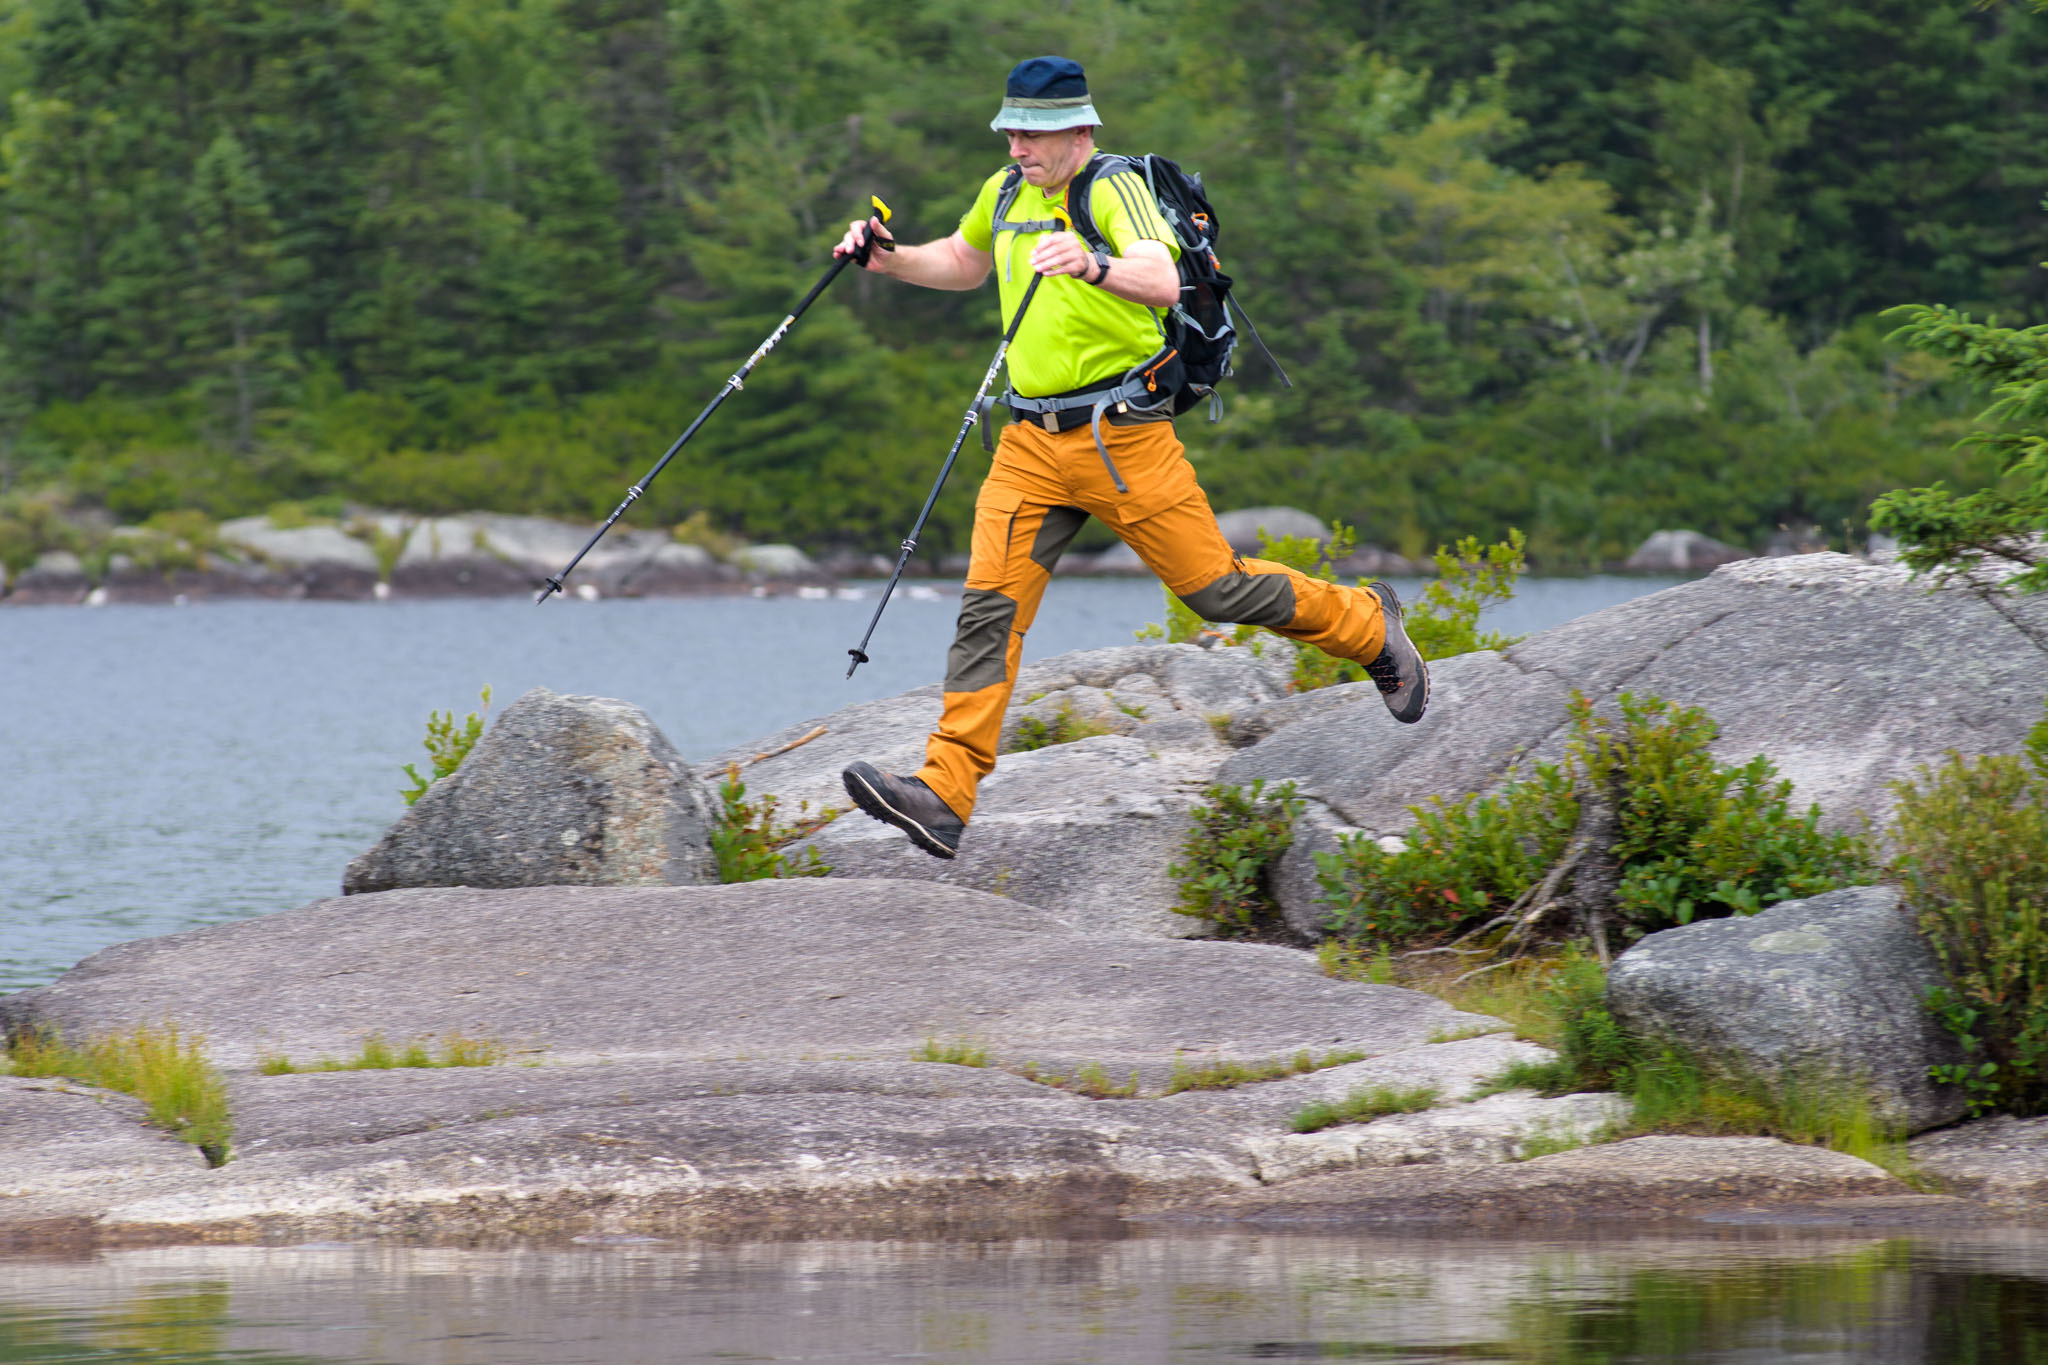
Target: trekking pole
(733,385)
(859,652)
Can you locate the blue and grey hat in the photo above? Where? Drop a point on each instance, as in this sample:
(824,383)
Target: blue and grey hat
(1045,93)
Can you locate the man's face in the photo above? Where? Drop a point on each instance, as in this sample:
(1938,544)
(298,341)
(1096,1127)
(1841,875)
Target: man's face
(1049,158)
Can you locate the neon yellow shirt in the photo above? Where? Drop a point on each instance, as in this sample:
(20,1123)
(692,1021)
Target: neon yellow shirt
(1075,333)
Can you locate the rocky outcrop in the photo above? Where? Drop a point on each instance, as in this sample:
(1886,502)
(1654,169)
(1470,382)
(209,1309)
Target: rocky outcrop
(2001,1162)
(1681,552)
(1085,829)
(691,1058)
(1824,992)
(1822,662)
(560,791)
(1243,527)
(317,561)
(57,578)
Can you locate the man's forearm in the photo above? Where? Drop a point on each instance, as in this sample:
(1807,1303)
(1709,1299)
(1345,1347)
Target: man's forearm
(1152,281)
(944,264)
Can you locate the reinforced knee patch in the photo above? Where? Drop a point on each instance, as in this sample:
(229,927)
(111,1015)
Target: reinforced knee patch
(981,647)
(1252,599)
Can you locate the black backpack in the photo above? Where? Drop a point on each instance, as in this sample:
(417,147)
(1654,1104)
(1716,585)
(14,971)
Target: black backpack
(1201,333)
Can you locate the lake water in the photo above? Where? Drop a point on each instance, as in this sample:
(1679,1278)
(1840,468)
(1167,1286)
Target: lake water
(168,767)
(1753,1296)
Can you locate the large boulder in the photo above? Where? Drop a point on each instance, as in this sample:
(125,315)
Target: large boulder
(1242,527)
(1820,992)
(1681,552)
(560,790)
(315,561)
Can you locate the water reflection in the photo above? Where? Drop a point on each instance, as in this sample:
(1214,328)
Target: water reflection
(1753,1296)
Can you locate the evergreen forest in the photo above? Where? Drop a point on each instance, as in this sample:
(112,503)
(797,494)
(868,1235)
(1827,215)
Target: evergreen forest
(1588,268)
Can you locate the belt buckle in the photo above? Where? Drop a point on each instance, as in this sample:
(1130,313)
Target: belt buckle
(1051,420)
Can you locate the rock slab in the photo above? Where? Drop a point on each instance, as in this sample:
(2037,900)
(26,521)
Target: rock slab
(1825,990)
(560,791)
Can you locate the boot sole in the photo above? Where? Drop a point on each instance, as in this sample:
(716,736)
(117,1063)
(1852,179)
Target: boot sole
(877,807)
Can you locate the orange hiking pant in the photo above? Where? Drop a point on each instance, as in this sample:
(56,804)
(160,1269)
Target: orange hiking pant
(1042,487)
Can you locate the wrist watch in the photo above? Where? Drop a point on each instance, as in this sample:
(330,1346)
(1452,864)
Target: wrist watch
(1101,259)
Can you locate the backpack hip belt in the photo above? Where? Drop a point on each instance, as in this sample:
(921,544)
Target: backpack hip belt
(1137,391)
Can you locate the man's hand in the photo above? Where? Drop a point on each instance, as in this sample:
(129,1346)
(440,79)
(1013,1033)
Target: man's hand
(850,243)
(1062,253)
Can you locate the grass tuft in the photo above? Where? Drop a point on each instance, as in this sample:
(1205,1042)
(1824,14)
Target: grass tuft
(379,1054)
(1090,1081)
(166,1070)
(952,1052)
(1227,1075)
(1363,1106)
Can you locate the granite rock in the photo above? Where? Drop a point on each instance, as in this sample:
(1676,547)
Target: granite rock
(1826,990)
(559,791)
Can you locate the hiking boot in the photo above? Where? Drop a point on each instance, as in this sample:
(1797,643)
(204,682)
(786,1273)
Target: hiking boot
(908,804)
(1399,673)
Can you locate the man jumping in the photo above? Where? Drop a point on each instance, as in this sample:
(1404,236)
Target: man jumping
(1096,321)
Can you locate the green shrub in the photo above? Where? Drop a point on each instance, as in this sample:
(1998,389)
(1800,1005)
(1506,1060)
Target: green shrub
(1694,838)
(1698,839)
(1363,1106)
(447,745)
(167,1071)
(1065,727)
(1972,841)
(748,843)
(31,524)
(1231,844)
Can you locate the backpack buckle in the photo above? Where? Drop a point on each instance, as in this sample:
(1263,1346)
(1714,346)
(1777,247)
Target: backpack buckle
(1051,420)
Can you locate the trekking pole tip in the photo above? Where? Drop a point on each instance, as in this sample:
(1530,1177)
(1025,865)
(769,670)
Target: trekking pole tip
(554,585)
(858,659)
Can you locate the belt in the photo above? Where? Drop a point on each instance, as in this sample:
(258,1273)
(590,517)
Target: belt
(1086,405)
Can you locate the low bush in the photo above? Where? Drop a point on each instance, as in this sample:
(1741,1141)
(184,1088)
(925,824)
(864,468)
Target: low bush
(1231,846)
(447,745)
(168,1071)
(748,843)
(1972,858)
(1363,1106)
(1693,838)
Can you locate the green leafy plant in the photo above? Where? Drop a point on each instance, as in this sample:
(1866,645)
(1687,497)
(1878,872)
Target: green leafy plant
(1694,838)
(748,843)
(447,745)
(1462,860)
(1972,858)
(1065,727)
(1470,577)
(1697,838)
(1231,844)
(1363,1106)
(165,1069)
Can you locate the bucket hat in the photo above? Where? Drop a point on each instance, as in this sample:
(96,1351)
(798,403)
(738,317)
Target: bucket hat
(1043,94)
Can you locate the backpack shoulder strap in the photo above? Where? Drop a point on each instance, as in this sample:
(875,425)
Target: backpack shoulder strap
(1080,196)
(1006,195)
